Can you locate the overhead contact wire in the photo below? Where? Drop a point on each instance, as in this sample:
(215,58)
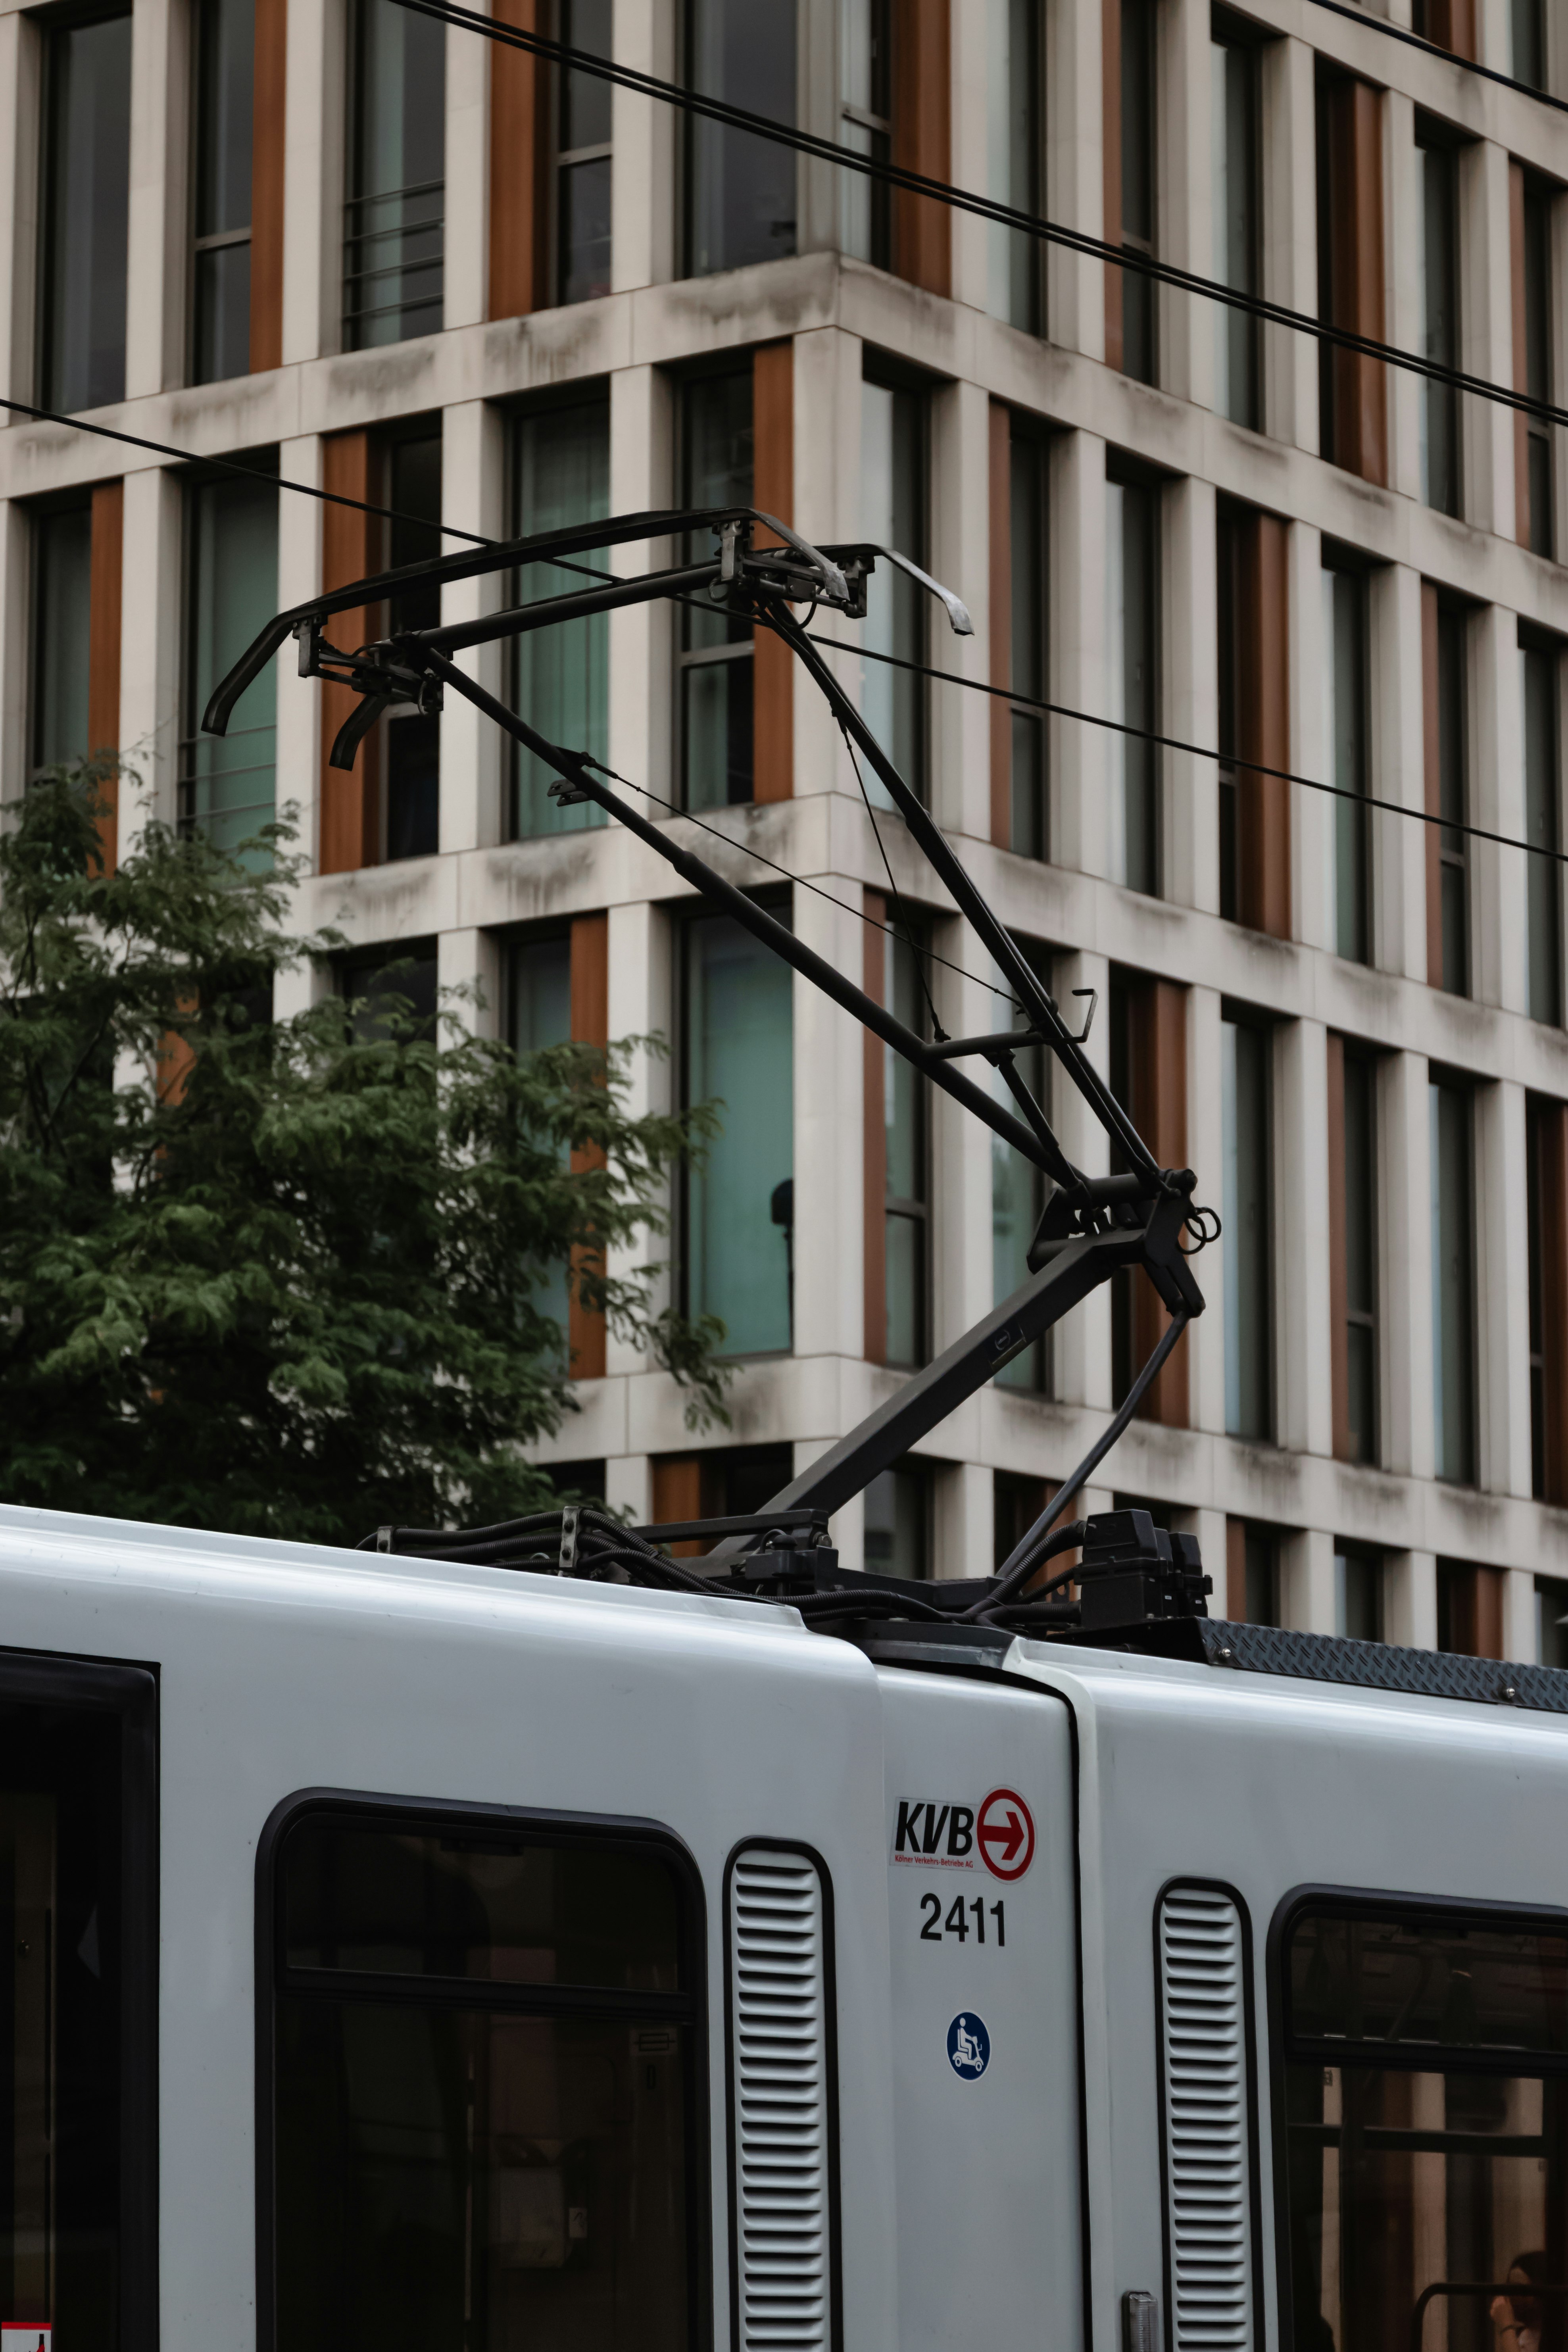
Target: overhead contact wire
(1035,225)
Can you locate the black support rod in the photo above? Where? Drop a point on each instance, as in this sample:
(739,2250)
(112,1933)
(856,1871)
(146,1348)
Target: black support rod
(763,926)
(927,1398)
(994,935)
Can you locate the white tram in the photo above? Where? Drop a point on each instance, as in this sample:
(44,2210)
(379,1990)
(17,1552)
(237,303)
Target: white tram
(410,1956)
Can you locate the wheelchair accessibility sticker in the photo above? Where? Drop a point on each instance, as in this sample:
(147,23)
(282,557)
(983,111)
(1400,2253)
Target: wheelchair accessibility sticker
(968,2046)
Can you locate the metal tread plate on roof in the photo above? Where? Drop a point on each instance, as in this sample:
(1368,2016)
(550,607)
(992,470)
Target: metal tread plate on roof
(1381,1665)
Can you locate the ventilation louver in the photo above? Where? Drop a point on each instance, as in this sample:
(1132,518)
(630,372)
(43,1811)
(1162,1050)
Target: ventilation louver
(779,2062)
(1208,2162)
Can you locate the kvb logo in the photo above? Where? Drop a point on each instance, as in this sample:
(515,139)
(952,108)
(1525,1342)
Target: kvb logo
(999,1831)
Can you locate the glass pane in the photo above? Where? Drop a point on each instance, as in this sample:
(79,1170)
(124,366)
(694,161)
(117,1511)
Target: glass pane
(86,185)
(1234,117)
(904,1250)
(585,100)
(1260,1565)
(225,40)
(392,258)
(413,786)
(1014,108)
(716,725)
(1017,1191)
(1528,25)
(541,1015)
(717,453)
(740,1055)
(62,598)
(1132,588)
(383,986)
(898,1533)
(1467,1985)
(742,203)
(1249,1404)
(1026,514)
(1453,1283)
(1358,1597)
(1344,686)
(62,1996)
(229,787)
(585,230)
(1538,671)
(563,673)
(893,514)
(458,2179)
(490,1904)
(1440,328)
(223,313)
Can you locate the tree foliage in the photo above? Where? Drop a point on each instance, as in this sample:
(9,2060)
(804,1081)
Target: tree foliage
(287,1277)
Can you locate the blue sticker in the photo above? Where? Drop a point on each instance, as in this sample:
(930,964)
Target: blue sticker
(968,2046)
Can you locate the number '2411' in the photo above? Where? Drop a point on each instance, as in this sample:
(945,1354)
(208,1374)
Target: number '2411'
(956,1922)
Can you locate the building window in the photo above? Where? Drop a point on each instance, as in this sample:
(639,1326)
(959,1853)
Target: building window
(1254,716)
(413,741)
(582,158)
(893,462)
(561,677)
(898,1521)
(1248,1228)
(1137,185)
(739,1055)
(1017,1200)
(1534,330)
(394,233)
(741,189)
(226,79)
(86,188)
(1345,732)
(1015,138)
(1357,1302)
(1421,2143)
(393,989)
(62,611)
(1252,1574)
(716,469)
(1352,393)
(1527,23)
(1551,1621)
(1449,844)
(1132,669)
(1358,1593)
(539,1008)
(1029,545)
(1469,1610)
(1237,221)
(1017,1501)
(543,2129)
(1546,1210)
(1539,671)
(906,1117)
(1440,479)
(228,782)
(866,125)
(1453,1280)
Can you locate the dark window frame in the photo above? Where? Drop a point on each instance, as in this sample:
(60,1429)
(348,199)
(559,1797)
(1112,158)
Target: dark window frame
(1126,472)
(742,647)
(1245,1017)
(1365,1903)
(354,313)
(1351,824)
(629,1833)
(193,480)
(884,370)
(1435,138)
(51,23)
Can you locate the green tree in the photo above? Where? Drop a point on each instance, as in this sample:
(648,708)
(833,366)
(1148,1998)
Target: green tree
(284,1277)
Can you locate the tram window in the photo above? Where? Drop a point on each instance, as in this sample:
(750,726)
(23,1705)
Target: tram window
(76,1992)
(483,2051)
(1426,2132)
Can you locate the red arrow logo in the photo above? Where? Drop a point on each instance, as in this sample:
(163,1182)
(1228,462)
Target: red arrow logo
(1005,1832)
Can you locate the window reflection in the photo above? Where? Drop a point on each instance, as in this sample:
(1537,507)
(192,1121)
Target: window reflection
(1426,2122)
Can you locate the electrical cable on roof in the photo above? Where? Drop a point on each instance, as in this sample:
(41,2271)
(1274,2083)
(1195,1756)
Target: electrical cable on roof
(920,184)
